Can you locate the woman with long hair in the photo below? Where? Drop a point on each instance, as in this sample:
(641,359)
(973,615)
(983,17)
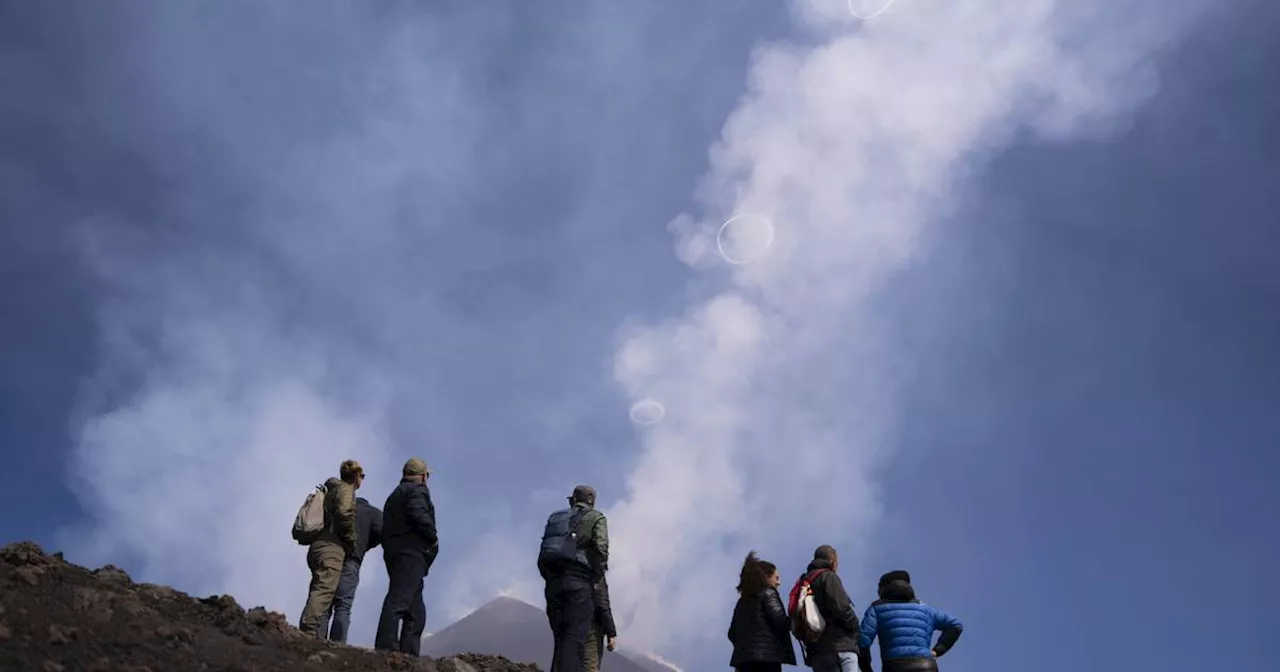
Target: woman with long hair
(760,630)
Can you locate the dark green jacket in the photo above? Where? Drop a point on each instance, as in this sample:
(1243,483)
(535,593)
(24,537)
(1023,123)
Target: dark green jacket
(593,530)
(339,514)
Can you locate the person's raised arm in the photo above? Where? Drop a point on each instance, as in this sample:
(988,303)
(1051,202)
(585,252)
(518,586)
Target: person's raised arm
(866,637)
(867,633)
(951,629)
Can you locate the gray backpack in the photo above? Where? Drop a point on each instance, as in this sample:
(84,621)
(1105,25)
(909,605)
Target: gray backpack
(309,523)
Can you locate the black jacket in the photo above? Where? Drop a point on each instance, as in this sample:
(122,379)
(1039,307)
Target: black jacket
(409,522)
(761,631)
(841,633)
(368,528)
(604,613)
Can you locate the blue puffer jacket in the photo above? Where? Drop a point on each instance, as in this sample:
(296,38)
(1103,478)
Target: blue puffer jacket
(906,629)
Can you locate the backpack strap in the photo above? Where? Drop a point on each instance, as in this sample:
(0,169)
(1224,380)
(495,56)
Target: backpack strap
(805,582)
(576,516)
(808,579)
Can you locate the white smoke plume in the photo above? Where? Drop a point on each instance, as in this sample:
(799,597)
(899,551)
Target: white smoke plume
(221,394)
(779,385)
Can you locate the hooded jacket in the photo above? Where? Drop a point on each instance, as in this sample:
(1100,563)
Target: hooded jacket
(905,627)
(841,633)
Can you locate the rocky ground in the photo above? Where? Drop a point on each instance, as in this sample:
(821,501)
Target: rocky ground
(60,617)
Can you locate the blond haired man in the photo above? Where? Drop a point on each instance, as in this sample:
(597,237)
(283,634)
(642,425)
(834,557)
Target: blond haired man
(327,553)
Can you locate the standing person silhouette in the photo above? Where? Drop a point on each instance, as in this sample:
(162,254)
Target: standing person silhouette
(905,626)
(410,544)
(574,555)
(760,629)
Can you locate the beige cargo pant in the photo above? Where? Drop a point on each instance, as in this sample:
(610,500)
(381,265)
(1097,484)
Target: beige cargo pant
(325,560)
(593,653)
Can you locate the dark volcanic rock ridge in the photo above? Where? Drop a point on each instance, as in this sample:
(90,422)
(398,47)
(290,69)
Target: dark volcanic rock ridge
(56,616)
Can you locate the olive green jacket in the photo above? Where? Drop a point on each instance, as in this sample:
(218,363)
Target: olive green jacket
(593,530)
(340,513)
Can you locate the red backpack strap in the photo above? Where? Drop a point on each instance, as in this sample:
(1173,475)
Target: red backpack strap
(814,574)
(805,579)
(794,598)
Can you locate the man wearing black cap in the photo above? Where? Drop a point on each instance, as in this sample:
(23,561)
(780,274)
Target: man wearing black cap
(409,547)
(574,556)
(905,626)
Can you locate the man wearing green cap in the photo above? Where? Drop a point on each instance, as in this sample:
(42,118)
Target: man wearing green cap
(409,547)
(573,558)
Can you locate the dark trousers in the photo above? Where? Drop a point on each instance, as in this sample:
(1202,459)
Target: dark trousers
(759,667)
(343,598)
(929,664)
(570,609)
(404,615)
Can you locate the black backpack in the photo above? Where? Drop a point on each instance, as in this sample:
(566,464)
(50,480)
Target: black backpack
(560,542)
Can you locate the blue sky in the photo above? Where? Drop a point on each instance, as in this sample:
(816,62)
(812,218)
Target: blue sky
(1013,333)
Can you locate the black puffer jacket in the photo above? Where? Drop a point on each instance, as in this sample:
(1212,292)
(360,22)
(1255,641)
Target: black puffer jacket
(841,633)
(409,522)
(761,631)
